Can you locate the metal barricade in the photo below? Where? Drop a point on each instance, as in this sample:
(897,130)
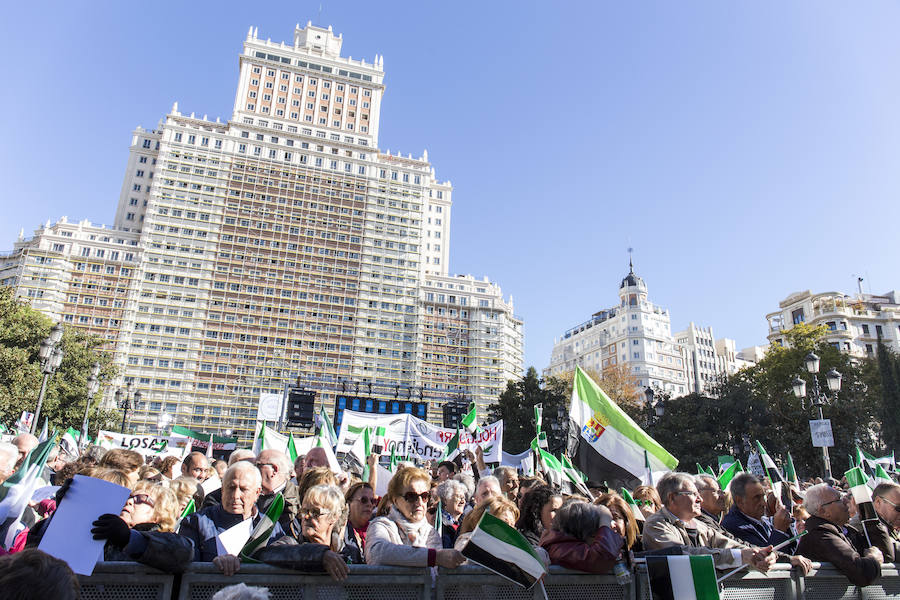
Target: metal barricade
(562,584)
(365,582)
(126,581)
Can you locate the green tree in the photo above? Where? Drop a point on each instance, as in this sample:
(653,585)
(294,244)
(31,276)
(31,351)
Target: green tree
(22,328)
(888,390)
(516,407)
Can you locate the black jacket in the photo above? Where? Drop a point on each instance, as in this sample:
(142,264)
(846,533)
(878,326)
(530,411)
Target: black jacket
(825,542)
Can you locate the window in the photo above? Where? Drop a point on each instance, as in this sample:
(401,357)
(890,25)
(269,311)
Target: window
(797,316)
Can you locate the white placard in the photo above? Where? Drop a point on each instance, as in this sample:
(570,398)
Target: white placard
(269,408)
(146,445)
(820,430)
(232,540)
(68,535)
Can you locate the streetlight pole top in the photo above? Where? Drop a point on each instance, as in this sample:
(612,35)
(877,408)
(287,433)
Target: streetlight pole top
(799,386)
(56,333)
(812,362)
(833,378)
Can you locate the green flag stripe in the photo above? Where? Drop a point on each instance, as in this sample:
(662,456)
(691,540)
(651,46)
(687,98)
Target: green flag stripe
(506,534)
(856,477)
(703,571)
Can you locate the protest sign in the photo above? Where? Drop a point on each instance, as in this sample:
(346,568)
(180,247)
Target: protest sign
(146,445)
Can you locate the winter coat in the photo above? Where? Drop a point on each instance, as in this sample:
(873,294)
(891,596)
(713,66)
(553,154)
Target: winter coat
(598,556)
(201,528)
(392,540)
(825,542)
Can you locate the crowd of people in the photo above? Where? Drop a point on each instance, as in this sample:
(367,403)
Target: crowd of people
(427,515)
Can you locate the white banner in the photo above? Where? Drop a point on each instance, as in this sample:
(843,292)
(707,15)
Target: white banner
(407,434)
(269,408)
(820,430)
(147,445)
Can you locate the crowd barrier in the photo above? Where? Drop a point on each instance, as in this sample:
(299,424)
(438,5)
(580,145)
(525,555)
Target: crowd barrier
(132,581)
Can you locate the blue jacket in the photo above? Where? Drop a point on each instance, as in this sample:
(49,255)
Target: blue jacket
(755,533)
(201,528)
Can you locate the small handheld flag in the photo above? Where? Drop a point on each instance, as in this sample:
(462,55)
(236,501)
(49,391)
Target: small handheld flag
(496,546)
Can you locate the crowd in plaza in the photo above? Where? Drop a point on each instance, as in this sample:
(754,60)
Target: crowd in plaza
(428,515)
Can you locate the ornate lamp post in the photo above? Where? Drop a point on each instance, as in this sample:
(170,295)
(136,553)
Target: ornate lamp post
(657,407)
(124,401)
(51,356)
(817,397)
(93,386)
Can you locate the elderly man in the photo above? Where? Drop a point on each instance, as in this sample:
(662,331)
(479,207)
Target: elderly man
(215,497)
(275,468)
(825,540)
(240,491)
(25,443)
(883,532)
(487,488)
(195,465)
(676,524)
(712,501)
(745,519)
(509,481)
(9,454)
(316,457)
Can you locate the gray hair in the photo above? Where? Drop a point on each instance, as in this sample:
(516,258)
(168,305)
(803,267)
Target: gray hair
(9,454)
(245,467)
(447,489)
(815,497)
(281,459)
(578,519)
(326,496)
(672,483)
(241,591)
(468,480)
(486,480)
(503,474)
(738,485)
(700,479)
(241,454)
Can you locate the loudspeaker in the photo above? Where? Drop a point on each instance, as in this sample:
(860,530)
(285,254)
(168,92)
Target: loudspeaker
(301,407)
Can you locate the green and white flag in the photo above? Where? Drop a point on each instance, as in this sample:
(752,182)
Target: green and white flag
(470,421)
(682,577)
(881,476)
(69,442)
(856,480)
(540,441)
(552,468)
(326,428)
(538,415)
(378,439)
(292,447)
(574,476)
(16,491)
(259,537)
(439,520)
(611,446)
(259,443)
(500,548)
(769,465)
(43,436)
(790,473)
(635,509)
(449,453)
(728,474)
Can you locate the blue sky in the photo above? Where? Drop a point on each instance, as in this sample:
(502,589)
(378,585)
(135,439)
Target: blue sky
(744,150)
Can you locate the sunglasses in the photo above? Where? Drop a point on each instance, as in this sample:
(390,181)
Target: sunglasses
(896,508)
(843,498)
(411,497)
(365,500)
(644,502)
(142,499)
(313,513)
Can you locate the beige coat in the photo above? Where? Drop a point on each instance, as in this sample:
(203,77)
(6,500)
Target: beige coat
(663,530)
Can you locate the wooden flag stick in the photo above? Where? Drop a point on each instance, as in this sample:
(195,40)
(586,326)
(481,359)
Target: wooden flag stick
(744,566)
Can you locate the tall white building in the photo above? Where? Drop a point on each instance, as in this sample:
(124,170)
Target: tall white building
(280,244)
(855,323)
(707,359)
(636,333)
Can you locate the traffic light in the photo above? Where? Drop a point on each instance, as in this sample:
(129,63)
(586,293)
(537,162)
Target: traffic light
(301,408)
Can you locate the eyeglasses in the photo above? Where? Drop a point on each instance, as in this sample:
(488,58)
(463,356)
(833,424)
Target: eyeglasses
(713,490)
(142,499)
(411,497)
(842,498)
(686,493)
(313,513)
(896,508)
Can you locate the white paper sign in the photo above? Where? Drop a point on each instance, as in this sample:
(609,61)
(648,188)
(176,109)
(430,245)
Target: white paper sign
(146,445)
(233,539)
(68,535)
(820,430)
(405,433)
(269,408)
(211,484)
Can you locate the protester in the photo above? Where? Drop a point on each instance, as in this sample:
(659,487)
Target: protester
(800,516)
(128,462)
(166,466)
(24,443)
(312,477)
(313,550)
(883,531)
(538,508)
(746,519)
(275,468)
(676,524)
(220,466)
(498,506)
(299,466)
(403,537)
(712,501)
(468,480)
(525,484)
(148,473)
(445,470)
(623,522)
(35,575)
(508,478)
(316,457)
(581,538)
(825,540)
(196,465)
(360,499)
(184,489)
(240,491)
(453,501)
(9,455)
(647,498)
(487,486)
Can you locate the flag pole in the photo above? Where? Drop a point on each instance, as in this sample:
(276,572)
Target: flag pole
(543,589)
(744,566)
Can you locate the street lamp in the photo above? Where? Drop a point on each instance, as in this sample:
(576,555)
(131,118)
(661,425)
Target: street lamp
(124,401)
(818,397)
(93,386)
(657,407)
(51,356)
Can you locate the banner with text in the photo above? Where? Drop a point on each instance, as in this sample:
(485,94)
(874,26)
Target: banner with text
(146,445)
(406,434)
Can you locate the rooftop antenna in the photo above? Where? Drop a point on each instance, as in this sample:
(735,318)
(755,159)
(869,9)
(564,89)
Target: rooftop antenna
(630,264)
(319,18)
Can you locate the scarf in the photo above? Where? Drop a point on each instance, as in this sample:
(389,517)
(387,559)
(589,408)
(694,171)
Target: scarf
(411,534)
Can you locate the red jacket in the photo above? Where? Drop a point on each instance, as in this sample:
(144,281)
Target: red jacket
(572,553)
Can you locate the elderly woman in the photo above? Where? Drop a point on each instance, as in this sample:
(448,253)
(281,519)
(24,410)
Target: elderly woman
(453,502)
(623,522)
(314,551)
(403,536)
(537,509)
(360,500)
(581,537)
(509,481)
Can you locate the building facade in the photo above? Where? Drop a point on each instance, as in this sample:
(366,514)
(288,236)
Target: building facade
(636,333)
(280,245)
(854,323)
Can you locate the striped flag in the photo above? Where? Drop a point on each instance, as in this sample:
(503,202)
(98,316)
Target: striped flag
(449,453)
(574,476)
(540,441)
(856,480)
(470,421)
(16,491)
(500,548)
(611,446)
(552,468)
(259,537)
(378,439)
(769,465)
(682,577)
(439,520)
(728,474)
(635,509)
(326,428)
(292,447)
(790,473)
(881,475)
(538,416)
(259,444)
(69,442)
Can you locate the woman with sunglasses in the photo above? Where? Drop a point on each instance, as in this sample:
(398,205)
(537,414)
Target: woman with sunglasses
(401,535)
(361,504)
(647,499)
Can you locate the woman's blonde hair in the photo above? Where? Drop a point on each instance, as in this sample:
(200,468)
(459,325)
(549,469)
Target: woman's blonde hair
(496,505)
(112,475)
(184,490)
(312,478)
(647,492)
(401,479)
(166,508)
